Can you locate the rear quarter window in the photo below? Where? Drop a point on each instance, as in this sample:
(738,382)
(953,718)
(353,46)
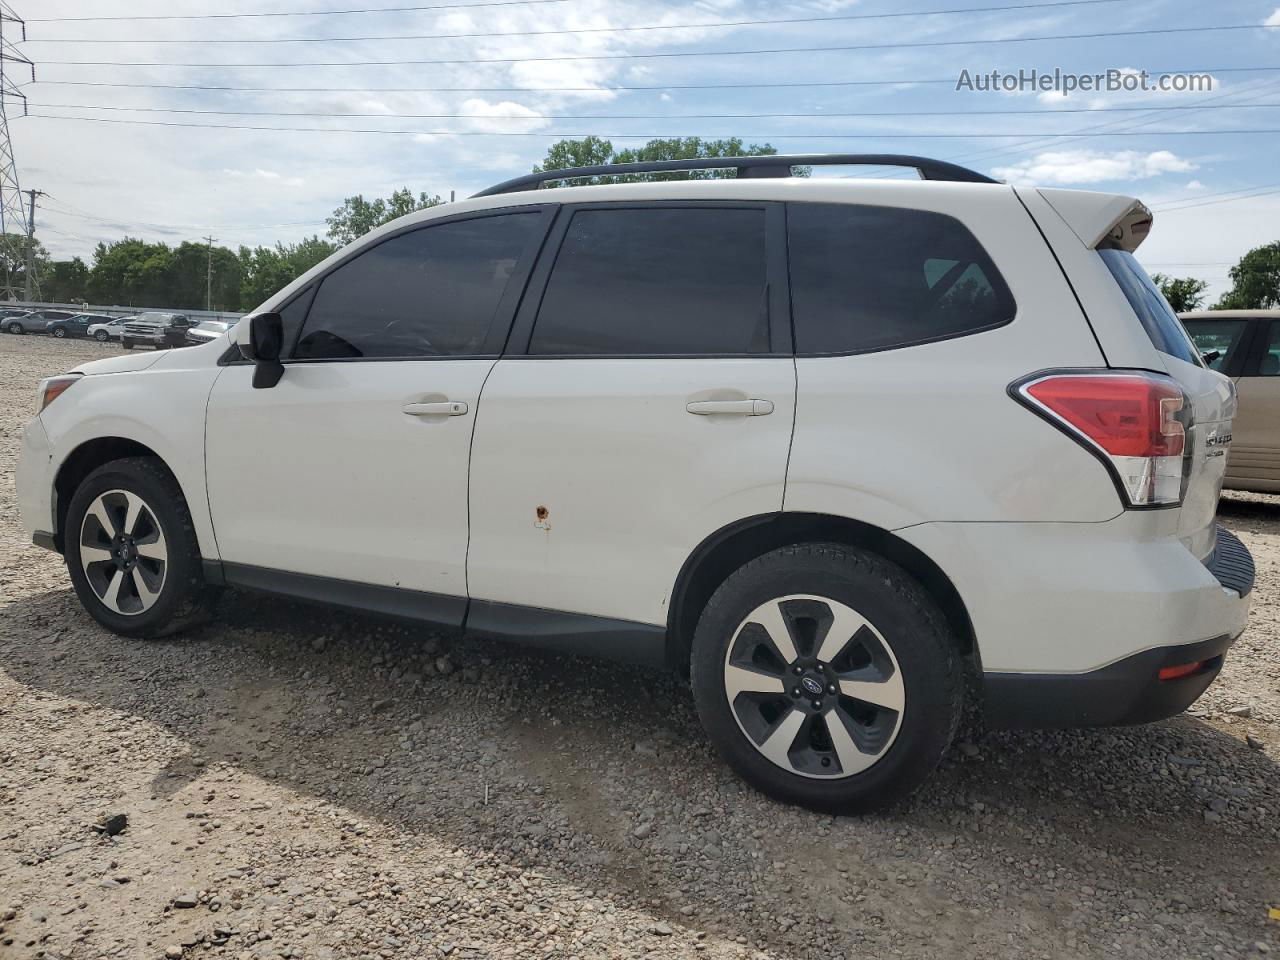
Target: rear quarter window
(1162,325)
(869,278)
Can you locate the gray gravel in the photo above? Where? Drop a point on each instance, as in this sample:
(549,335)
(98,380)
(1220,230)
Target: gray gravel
(299,783)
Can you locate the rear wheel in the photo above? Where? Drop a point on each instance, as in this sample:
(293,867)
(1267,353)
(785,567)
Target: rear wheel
(59,332)
(132,553)
(102,336)
(826,676)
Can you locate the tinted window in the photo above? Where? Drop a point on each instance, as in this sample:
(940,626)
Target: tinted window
(1153,310)
(868,278)
(684,280)
(1271,352)
(432,292)
(1216,336)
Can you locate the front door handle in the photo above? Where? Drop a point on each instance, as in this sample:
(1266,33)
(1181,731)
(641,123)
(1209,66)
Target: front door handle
(742,408)
(444,408)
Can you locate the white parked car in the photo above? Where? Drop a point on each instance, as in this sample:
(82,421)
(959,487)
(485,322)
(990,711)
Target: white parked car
(845,451)
(108,330)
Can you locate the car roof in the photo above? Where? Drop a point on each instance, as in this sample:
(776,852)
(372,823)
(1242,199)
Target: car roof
(1227,314)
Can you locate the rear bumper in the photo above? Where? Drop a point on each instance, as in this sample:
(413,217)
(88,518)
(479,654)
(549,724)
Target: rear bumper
(1126,692)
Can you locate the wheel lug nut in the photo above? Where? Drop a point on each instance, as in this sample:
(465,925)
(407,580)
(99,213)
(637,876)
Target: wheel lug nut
(831,688)
(817,704)
(797,671)
(795,692)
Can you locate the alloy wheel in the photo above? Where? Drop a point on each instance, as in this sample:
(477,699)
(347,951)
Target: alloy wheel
(123,552)
(814,686)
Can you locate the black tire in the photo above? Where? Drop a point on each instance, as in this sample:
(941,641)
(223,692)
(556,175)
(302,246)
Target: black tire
(102,336)
(184,599)
(910,623)
(127,344)
(16,328)
(59,332)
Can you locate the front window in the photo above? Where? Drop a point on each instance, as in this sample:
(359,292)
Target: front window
(1216,340)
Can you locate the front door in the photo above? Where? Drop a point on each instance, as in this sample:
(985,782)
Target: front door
(354,466)
(647,402)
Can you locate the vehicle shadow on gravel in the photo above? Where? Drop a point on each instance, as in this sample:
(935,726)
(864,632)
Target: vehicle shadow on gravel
(600,774)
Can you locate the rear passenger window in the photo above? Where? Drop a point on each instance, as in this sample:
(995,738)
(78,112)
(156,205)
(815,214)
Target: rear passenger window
(870,278)
(432,292)
(657,281)
(1270,366)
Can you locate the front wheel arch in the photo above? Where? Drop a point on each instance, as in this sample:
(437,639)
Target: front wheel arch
(81,462)
(732,546)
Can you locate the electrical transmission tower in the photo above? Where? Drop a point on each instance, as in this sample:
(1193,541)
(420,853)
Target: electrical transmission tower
(15,228)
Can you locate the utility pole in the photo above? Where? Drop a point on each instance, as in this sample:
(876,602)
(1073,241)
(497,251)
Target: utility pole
(31,288)
(13,214)
(208,298)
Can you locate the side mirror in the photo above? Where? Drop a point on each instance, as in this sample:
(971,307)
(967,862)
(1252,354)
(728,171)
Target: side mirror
(261,339)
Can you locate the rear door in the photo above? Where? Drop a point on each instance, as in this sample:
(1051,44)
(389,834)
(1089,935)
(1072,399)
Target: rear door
(645,402)
(1255,450)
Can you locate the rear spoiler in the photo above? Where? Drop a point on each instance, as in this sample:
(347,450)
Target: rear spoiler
(1102,219)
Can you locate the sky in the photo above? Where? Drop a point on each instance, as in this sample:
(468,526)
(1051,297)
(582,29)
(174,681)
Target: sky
(519,76)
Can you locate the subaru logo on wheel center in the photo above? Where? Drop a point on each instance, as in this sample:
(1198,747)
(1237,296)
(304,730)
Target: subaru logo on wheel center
(812,685)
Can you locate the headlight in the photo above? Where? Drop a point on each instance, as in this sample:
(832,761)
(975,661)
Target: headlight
(54,387)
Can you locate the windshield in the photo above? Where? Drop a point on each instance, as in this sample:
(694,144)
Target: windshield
(1154,313)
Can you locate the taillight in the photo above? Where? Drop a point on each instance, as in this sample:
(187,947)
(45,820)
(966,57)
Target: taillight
(51,389)
(1135,422)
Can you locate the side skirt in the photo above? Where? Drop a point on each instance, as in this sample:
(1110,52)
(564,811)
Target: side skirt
(575,633)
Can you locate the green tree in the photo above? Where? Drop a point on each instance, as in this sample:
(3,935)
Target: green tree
(1183,293)
(592,151)
(264,270)
(13,259)
(1255,281)
(65,281)
(357,216)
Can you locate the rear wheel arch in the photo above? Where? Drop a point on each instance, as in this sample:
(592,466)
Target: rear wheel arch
(729,548)
(82,461)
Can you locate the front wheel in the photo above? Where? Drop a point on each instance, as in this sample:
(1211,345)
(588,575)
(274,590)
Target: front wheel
(59,332)
(15,328)
(102,336)
(127,344)
(826,676)
(131,550)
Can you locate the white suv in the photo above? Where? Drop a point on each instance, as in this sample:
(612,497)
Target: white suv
(849,452)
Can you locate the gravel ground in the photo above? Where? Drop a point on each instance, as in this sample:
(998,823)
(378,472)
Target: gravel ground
(299,783)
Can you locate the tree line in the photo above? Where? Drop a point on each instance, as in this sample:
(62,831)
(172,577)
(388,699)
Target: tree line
(134,272)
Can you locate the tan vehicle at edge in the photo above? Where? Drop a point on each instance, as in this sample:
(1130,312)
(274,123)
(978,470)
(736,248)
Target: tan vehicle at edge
(1247,348)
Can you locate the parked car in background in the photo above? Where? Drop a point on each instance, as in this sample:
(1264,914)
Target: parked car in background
(34,322)
(1245,345)
(160,330)
(207,330)
(74,326)
(844,452)
(112,327)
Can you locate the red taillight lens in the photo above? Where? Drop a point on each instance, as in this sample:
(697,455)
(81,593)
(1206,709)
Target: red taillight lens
(1137,421)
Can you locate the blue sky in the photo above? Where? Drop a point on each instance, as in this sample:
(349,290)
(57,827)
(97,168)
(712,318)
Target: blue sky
(257,186)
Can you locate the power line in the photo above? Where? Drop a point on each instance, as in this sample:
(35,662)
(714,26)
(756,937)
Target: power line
(1209,203)
(596,89)
(888,135)
(300,13)
(85,215)
(642,28)
(1048,111)
(669,54)
(1195,201)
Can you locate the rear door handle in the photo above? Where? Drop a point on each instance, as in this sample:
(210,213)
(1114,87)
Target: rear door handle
(742,408)
(444,408)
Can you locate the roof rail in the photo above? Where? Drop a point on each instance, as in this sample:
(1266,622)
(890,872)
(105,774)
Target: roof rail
(764,166)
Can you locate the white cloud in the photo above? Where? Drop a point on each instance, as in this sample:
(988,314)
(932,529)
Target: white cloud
(1074,167)
(1194,185)
(487,117)
(1273,20)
